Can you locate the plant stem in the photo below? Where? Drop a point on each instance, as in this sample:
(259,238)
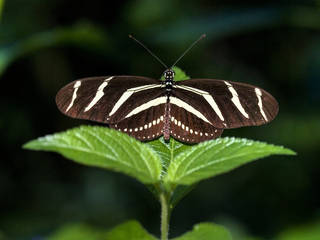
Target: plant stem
(165,216)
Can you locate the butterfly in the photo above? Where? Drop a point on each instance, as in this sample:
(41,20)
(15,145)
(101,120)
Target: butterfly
(190,111)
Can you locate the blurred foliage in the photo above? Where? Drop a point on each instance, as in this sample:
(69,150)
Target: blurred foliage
(272,44)
(129,230)
(2,237)
(305,232)
(132,230)
(77,232)
(1,7)
(82,35)
(206,231)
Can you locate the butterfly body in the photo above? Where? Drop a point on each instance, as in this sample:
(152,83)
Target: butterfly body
(190,111)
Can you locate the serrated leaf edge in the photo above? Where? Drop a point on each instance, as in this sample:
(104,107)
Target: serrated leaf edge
(75,132)
(183,156)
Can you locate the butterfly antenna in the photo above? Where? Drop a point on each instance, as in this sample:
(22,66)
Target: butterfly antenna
(188,49)
(144,46)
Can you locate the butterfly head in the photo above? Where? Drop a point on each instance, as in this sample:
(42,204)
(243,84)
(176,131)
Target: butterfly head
(168,74)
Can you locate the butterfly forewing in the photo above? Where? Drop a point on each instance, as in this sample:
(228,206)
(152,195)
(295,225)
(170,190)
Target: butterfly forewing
(228,104)
(106,99)
(195,102)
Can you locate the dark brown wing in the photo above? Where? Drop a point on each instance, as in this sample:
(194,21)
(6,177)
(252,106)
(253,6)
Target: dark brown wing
(190,128)
(106,99)
(145,125)
(227,104)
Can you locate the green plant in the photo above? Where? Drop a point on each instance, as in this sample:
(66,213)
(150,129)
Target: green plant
(168,169)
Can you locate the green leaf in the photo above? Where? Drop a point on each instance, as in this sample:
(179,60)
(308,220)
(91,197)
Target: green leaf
(104,148)
(131,230)
(206,231)
(218,156)
(77,232)
(179,74)
(167,150)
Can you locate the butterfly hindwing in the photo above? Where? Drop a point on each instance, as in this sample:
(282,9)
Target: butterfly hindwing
(187,127)
(145,125)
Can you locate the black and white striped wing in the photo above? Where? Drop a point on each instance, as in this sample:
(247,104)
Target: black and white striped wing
(109,99)
(226,104)
(145,125)
(189,125)
(193,111)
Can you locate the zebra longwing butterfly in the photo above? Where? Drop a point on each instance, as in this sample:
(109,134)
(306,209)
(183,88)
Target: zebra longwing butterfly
(190,111)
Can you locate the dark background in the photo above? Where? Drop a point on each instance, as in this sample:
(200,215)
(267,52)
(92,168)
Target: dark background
(46,44)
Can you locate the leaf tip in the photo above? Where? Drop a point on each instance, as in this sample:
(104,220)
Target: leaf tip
(28,145)
(288,151)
